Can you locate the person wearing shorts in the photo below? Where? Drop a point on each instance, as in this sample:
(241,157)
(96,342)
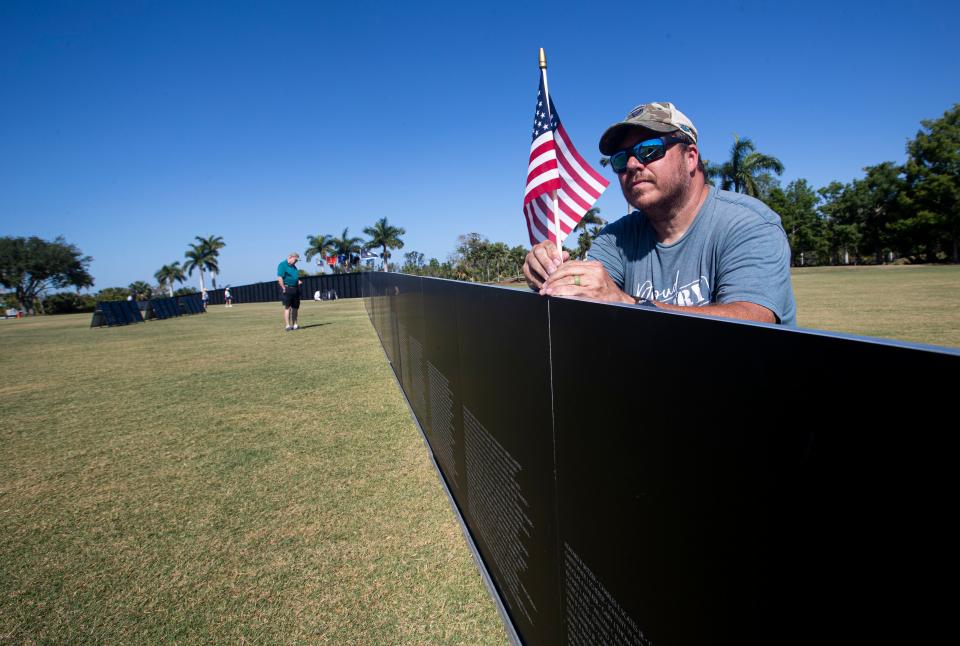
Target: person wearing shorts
(227,298)
(289,280)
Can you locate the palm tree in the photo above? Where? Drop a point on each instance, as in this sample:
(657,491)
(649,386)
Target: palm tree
(711,171)
(211,265)
(140,290)
(168,274)
(745,171)
(345,245)
(213,244)
(587,236)
(385,236)
(198,257)
(320,245)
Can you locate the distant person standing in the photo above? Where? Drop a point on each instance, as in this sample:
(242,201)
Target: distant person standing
(204,297)
(227,299)
(289,280)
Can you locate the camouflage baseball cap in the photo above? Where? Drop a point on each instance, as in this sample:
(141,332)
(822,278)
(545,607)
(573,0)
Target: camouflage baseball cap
(656,117)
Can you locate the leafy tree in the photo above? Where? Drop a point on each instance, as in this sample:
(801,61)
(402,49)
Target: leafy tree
(747,171)
(933,178)
(30,266)
(185,291)
(516,259)
(840,229)
(113,294)
(866,212)
(469,256)
(412,263)
(69,303)
(879,196)
(346,245)
(169,274)
(385,236)
(498,261)
(9,300)
(478,259)
(438,269)
(321,245)
(797,207)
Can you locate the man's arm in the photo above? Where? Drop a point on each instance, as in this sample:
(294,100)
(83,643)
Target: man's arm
(589,279)
(592,279)
(742,310)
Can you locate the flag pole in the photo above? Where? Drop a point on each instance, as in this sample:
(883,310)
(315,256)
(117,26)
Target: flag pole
(556,212)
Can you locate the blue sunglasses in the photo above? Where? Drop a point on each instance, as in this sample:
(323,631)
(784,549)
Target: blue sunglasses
(648,150)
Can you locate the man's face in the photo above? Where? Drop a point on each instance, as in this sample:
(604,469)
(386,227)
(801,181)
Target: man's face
(292,260)
(657,185)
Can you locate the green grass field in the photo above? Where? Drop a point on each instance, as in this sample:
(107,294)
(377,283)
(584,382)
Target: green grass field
(214,479)
(910,303)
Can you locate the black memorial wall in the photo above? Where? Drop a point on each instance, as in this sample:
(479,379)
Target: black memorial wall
(164,308)
(632,476)
(111,313)
(343,285)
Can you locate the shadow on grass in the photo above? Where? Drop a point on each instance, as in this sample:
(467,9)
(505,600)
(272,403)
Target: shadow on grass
(306,327)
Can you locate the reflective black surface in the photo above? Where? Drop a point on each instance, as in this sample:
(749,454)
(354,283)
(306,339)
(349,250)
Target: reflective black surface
(113,313)
(329,285)
(125,312)
(634,476)
(753,484)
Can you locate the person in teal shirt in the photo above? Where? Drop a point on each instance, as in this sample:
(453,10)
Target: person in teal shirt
(289,280)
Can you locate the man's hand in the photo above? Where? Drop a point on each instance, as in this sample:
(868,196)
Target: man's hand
(542,261)
(584,279)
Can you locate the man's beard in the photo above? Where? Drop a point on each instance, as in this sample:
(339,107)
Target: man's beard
(671,196)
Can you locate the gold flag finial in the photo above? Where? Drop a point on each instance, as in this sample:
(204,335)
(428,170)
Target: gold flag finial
(543,59)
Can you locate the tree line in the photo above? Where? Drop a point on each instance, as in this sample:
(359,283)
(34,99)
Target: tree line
(475,258)
(905,213)
(346,250)
(32,267)
(201,256)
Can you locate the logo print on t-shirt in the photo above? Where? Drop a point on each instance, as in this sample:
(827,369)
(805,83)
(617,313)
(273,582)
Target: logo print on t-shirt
(695,293)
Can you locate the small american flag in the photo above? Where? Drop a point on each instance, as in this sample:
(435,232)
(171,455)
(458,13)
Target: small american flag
(556,168)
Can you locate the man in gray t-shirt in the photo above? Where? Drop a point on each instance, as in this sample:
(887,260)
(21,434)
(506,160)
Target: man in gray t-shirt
(687,245)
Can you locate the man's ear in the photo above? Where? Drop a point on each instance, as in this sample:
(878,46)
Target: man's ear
(692,157)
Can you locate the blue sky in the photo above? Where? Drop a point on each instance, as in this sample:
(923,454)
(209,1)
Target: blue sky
(131,127)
